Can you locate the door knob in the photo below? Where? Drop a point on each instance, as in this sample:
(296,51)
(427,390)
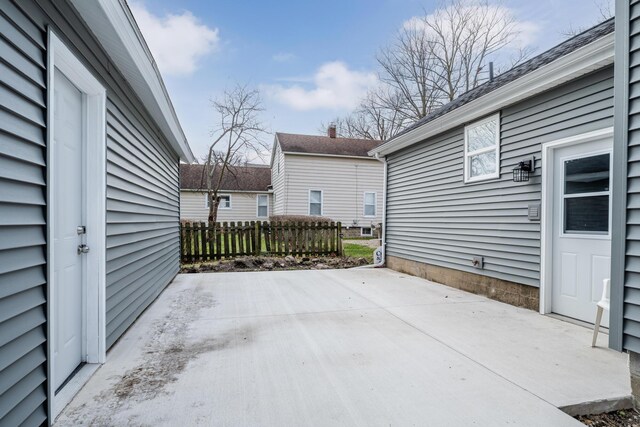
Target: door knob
(83,249)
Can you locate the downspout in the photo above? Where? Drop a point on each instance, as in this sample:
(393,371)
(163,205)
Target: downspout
(383,245)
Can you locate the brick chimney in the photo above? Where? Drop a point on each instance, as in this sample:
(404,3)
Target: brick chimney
(331,130)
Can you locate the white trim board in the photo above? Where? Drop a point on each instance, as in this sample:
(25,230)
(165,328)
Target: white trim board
(338,156)
(586,59)
(94,335)
(546,227)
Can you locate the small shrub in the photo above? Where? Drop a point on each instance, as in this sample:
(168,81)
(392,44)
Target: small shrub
(299,218)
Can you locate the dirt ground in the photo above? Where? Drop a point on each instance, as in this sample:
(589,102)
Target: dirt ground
(274,264)
(627,418)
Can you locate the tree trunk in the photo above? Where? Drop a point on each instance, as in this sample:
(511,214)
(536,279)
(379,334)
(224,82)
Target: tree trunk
(213,208)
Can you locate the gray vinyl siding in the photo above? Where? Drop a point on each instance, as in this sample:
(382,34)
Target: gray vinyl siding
(435,218)
(625,299)
(23,368)
(142,200)
(143,214)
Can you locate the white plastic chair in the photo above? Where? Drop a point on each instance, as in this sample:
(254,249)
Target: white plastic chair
(603,304)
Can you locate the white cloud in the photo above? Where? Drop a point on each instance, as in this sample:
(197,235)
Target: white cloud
(334,86)
(283,56)
(177,41)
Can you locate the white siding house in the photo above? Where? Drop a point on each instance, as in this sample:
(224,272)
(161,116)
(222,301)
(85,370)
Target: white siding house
(241,206)
(245,196)
(329,177)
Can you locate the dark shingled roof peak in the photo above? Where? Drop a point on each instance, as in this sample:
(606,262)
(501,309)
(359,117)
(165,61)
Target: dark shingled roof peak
(319,144)
(564,48)
(241,178)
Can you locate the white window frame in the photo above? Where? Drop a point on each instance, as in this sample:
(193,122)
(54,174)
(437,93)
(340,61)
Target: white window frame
(266,196)
(362,233)
(321,203)
(206,201)
(468,155)
(375,204)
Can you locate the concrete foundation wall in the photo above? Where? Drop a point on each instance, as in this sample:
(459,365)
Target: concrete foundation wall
(501,290)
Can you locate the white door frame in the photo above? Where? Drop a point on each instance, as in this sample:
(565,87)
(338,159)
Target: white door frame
(546,223)
(94,158)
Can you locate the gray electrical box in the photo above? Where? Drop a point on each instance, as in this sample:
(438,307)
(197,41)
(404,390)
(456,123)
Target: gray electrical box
(477,262)
(534,212)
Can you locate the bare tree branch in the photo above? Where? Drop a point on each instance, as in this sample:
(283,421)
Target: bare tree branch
(605,10)
(432,60)
(235,138)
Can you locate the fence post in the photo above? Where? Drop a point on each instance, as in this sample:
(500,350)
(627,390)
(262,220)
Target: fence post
(339,238)
(233,232)
(227,243)
(266,230)
(189,250)
(240,238)
(277,234)
(210,240)
(218,232)
(332,245)
(248,232)
(258,239)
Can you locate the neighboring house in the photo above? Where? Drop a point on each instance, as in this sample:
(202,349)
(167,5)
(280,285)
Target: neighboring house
(245,194)
(89,196)
(456,216)
(330,177)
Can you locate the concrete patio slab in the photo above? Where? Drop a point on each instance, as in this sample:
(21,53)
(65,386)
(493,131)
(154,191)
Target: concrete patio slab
(342,347)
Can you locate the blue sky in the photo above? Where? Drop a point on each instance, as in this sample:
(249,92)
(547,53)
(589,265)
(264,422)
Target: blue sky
(310,59)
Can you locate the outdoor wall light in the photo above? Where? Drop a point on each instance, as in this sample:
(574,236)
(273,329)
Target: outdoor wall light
(524,168)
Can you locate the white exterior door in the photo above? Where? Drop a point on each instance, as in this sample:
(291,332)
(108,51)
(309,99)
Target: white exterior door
(68,215)
(581,243)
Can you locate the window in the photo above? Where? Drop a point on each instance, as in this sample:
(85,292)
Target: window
(586,195)
(315,202)
(482,150)
(225,201)
(263,206)
(366,232)
(369,204)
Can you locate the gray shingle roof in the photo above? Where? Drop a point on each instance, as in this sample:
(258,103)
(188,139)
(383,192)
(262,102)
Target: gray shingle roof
(241,178)
(318,144)
(515,73)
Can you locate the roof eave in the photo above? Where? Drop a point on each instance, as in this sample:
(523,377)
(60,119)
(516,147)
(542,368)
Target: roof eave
(346,156)
(114,27)
(595,55)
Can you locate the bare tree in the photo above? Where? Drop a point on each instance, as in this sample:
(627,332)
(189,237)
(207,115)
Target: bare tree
(408,68)
(439,56)
(235,139)
(377,117)
(433,60)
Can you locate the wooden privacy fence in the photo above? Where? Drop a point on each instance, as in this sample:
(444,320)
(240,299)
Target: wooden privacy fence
(201,241)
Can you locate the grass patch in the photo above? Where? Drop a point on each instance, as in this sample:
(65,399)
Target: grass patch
(358,251)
